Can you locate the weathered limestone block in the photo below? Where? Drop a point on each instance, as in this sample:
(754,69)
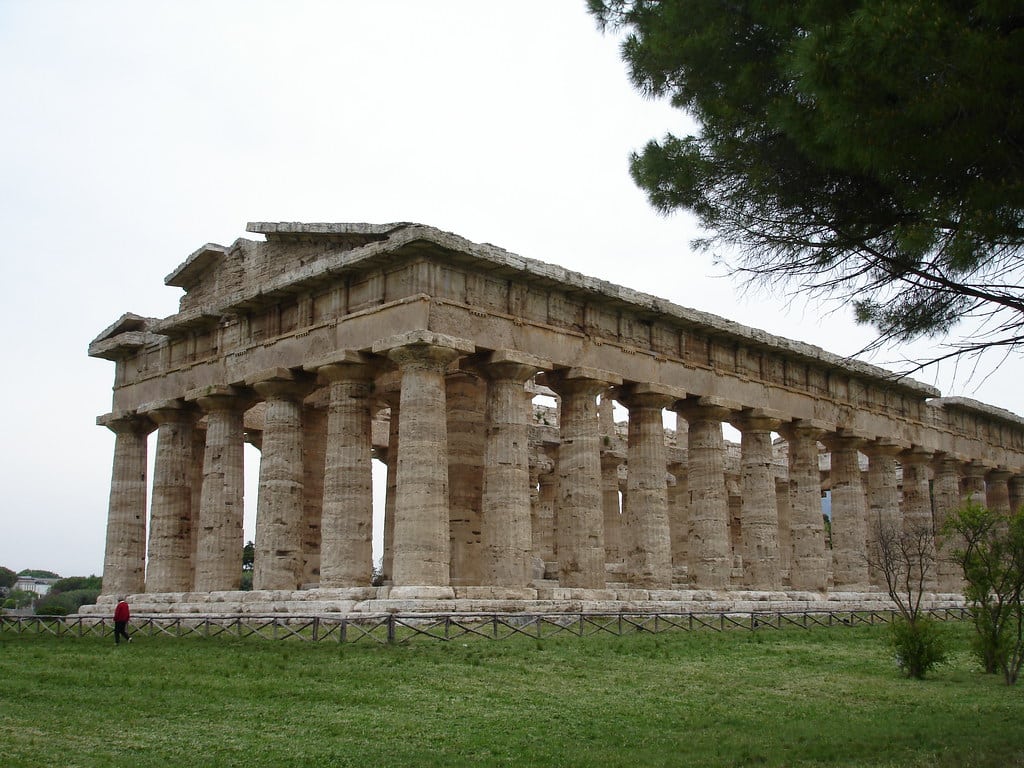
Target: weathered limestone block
(709,550)
(849,514)
(221,505)
(124,560)
(421,533)
(884,515)
(507,534)
(580,518)
(346,525)
(170,533)
(279,560)
(809,565)
(759,511)
(647,536)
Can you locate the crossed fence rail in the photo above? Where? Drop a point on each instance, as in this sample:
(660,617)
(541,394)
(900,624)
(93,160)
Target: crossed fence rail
(403,628)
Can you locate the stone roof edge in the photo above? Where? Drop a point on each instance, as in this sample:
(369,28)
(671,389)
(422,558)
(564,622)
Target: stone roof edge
(975,406)
(201,259)
(401,234)
(128,318)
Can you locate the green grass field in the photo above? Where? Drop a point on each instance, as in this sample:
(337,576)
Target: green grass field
(782,698)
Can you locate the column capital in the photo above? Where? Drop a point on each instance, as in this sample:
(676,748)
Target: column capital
(757,420)
(845,440)
(126,422)
(883,446)
(999,474)
(508,364)
(648,395)
(706,408)
(916,455)
(281,383)
(423,347)
(581,380)
(169,411)
(975,469)
(221,397)
(348,364)
(809,429)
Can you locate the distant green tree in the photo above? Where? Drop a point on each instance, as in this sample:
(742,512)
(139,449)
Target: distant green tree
(992,558)
(21,597)
(38,574)
(72,583)
(64,603)
(865,151)
(7,577)
(248,555)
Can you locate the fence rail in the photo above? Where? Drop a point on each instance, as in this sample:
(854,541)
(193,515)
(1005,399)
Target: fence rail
(403,628)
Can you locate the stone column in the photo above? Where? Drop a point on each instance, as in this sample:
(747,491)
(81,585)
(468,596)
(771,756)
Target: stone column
(170,533)
(759,526)
(647,539)
(346,526)
(917,506)
(506,533)
(547,492)
(580,519)
(974,483)
(782,502)
(947,498)
(709,551)
(466,400)
(124,560)
(849,515)
(314,456)
(884,516)
(221,504)
(279,512)
(610,461)
(679,519)
(809,566)
(389,387)
(1016,486)
(421,541)
(997,491)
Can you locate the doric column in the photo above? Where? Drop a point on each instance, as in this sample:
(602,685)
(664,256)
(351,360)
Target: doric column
(544,519)
(678,517)
(421,541)
(221,503)
(124,559)
(170,532)
(809,565)
(974,483)
(506,532)
(947,497)
(646,535)
(782,502)
(759,527)
(346,524)
(709,551)
(917,503)
(849,514)
(1016,485)
(610,461)
(279,510)
(580,519)
(389,389)
(883,501)
(314,457)
(466,401)
(997,490)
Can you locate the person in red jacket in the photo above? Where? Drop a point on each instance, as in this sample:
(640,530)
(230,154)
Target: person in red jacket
(121,616)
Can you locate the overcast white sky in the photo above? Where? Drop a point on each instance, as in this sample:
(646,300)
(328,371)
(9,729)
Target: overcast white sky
(132,133)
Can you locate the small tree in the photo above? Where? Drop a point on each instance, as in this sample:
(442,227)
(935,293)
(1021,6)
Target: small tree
(905,557)
(992,559)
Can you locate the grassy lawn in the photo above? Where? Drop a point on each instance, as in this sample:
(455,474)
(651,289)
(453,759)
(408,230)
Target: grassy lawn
(784,698)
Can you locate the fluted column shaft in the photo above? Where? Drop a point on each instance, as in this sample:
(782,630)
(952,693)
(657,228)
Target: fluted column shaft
(759,510)
(849,515)
(647,539)
(314,457)
(884,516)
(974,483)
(997,490)
(679,516)
(1016,485)
(507,534)
(422,531)
(346,526)
(947,498)
(170,533)
(808,568)
(221,503)
(610,461)
(785,534)
(917,505)
(580,518)
(466,402)
(547,492)
(709,551)
(279,511)
(124,559)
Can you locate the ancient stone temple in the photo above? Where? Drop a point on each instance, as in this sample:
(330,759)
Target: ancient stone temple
(485,382)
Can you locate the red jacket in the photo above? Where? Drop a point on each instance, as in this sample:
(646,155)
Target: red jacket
(121,612)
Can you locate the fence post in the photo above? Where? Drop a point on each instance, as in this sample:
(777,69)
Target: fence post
(391,628)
